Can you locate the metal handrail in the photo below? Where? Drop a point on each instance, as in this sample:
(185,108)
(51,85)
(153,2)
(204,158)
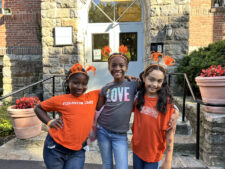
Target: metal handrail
(34,84)
(198,101)
(26,87)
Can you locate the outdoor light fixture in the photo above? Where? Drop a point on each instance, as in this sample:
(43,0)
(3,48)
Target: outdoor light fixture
(169,31)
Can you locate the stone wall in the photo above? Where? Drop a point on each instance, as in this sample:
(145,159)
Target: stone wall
(58,59)
(214,139)
(20,71)
(212,133)
(164,14)
(158,15)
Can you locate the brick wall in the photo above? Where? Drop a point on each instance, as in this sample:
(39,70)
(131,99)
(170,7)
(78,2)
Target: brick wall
(20,45)
(219,25)
(22,28)
(207,24)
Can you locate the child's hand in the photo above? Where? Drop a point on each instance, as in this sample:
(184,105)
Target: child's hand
(173,120)
(165,165)
(56,123)
(131,78)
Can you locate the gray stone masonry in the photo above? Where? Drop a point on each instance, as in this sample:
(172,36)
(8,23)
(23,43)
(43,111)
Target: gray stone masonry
(212,133)
(20,71)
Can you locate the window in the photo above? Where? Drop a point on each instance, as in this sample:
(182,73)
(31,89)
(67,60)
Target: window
(115,11)
(157,47)
(98,42)
(129,39)
(219,3)
(0,3)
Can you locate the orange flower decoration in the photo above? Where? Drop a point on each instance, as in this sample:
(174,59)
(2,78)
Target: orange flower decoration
(169,61)
(106,50)
(123,49)
(155,56)
(78,68)
(92,68)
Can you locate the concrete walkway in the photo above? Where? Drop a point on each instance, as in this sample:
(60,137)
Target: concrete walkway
(27,154)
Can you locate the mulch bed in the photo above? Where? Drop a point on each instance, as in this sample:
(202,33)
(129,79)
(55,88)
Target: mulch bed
(5,139)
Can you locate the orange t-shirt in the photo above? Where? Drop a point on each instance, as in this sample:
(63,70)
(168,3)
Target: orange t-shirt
(78,116)
(149,130)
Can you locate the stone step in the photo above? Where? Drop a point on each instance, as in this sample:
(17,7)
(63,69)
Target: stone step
(183,128)
(184,144)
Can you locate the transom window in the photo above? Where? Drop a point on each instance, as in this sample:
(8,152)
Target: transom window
(115,11)
(218,3)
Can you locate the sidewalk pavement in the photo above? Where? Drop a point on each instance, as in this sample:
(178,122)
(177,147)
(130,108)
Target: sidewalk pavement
(27,154)
(24,164)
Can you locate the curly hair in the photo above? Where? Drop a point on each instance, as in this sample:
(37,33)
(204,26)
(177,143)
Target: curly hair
(164,93)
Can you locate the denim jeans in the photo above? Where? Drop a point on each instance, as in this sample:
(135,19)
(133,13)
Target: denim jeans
(112,143)
(58,157)
(138,163)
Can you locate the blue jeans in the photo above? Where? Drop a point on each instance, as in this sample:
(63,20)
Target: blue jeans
(112,143)
(58,157)
(138,163)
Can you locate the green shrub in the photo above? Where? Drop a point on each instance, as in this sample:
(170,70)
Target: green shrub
(5,122)
(193,63)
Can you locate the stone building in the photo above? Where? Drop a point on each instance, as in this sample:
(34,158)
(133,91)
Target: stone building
(41,38)
(44,38)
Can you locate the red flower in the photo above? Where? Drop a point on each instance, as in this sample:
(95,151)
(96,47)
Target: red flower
(27,102)
(213,71)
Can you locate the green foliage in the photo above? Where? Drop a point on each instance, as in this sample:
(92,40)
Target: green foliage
(193,63)
(5,121)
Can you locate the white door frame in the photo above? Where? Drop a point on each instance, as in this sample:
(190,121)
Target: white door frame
(114,29)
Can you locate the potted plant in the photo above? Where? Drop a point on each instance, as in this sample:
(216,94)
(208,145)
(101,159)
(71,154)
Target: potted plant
(212,87)
(25,122)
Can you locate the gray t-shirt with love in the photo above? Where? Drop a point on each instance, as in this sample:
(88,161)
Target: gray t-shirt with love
(118,106)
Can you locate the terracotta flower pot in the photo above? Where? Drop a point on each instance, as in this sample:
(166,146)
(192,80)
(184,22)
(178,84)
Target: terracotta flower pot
(212,90)
(25,122)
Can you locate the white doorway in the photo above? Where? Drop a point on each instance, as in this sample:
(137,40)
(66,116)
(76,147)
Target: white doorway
(115,31)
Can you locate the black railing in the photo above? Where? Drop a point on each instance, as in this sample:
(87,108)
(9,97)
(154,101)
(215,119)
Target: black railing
(185,83)
(35,84)
(198,101)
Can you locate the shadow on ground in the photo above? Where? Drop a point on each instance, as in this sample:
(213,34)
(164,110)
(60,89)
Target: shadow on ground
(21,164)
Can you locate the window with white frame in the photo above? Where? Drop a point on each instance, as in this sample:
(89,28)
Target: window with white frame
(219,3)
(102,11)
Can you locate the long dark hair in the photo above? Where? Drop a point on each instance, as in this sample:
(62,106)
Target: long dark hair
(66,88)
(164,93)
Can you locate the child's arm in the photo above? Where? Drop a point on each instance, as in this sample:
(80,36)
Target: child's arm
(173,120)
(101,102)
(169,150)
(43,116)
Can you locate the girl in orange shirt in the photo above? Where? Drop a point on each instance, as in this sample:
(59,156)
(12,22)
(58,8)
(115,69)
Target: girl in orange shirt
(63,148)
(152,113)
